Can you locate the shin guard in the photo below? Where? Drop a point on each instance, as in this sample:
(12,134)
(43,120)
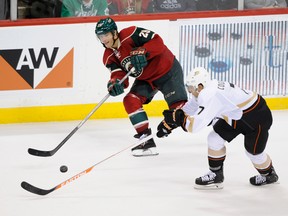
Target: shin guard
(134,107)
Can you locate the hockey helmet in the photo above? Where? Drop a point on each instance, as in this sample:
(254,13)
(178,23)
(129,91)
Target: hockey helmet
(105,25)
(198,76)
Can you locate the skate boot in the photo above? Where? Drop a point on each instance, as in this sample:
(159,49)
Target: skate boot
(260,180)
(212,180)
(147,148)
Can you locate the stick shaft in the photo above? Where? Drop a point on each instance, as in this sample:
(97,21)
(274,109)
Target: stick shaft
(30,188)
(41,153)
(89,115)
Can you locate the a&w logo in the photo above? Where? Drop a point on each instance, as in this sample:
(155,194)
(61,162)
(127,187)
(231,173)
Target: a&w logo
(35,69)
(28,57)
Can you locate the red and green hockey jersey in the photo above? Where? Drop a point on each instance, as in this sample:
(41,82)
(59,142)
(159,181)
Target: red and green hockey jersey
(160,58)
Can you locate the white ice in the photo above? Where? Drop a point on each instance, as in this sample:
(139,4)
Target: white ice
(128,186)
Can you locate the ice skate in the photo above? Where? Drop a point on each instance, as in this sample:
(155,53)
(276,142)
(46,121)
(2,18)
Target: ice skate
(260,180)
(147,148)
(210,181)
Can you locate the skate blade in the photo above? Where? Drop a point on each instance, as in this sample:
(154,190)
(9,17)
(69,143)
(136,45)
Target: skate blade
(267,184)
(145,152)
(209,187)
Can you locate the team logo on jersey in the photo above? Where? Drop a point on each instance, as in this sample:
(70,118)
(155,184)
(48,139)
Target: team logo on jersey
(35,69)
(126,64)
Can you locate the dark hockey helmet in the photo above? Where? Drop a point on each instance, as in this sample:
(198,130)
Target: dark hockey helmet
(105,25)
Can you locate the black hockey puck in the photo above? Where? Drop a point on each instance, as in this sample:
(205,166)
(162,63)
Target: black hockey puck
(63,169)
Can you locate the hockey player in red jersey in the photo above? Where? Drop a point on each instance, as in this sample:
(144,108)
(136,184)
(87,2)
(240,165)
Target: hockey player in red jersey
(232,111)
(155,68)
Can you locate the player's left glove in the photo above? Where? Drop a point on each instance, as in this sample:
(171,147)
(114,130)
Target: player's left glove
(175,117)
(164,129)
(138,58)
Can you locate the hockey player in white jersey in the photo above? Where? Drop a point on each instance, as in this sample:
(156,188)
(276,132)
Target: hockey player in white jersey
(232,111)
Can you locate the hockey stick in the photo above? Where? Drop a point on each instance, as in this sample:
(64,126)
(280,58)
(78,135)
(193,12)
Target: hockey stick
(42,153)
(26,186)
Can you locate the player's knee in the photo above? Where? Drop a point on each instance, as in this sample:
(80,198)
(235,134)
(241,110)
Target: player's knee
(215,142)
(224,130)
(132,102)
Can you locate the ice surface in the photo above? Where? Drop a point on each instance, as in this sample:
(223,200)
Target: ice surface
(128,186)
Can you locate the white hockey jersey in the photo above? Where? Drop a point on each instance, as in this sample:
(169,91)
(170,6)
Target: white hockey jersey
(217,100)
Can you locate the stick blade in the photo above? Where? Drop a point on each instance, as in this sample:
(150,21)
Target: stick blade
(40,153)
(28,187)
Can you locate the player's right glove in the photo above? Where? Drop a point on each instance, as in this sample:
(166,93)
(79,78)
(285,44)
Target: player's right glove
(114,87)
(164,129)
(138,58)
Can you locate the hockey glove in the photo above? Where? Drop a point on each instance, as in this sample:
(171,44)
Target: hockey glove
(115,88)
(164,129)
(138,58)
(175,117)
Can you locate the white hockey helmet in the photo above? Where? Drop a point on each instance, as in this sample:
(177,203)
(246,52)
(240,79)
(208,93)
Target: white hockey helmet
(198,76)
